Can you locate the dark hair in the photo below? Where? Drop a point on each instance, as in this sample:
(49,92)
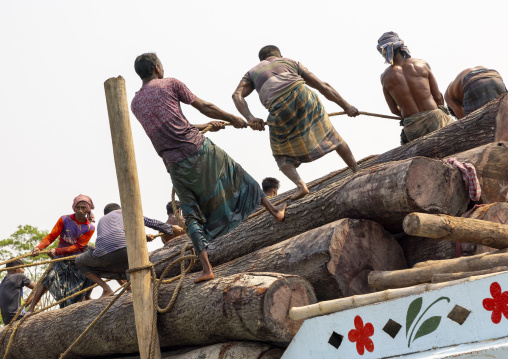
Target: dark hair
(267,51)
(111,207)
(169,207)
(17,262)
(145,64)
(270,183)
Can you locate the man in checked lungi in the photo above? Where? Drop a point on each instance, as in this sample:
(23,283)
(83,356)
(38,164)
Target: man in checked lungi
(215,192)
(300,130)
(74,232)
(411,90)
(473,88)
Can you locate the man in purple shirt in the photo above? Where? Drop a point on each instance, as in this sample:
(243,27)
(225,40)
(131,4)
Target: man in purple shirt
(215,193)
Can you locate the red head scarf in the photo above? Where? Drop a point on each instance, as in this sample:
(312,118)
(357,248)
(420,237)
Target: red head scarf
(89,205)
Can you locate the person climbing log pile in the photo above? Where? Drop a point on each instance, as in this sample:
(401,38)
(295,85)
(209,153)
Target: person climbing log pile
(335,237)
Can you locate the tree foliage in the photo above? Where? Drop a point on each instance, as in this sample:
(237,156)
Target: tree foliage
(23,241)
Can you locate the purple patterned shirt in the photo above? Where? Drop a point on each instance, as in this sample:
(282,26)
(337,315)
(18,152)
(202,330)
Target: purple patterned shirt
(157,107)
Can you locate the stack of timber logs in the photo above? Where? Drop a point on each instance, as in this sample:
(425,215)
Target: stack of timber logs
(340,240)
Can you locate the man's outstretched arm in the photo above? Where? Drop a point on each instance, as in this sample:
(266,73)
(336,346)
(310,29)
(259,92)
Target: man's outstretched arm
(330,93)
(243,90)
(210,110)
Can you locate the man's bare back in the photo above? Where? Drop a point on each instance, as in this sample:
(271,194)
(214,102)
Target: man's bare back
(454,94)
(410,87)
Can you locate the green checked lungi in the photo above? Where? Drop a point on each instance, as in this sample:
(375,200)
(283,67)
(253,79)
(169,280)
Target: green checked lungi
(300,129)
(215,192)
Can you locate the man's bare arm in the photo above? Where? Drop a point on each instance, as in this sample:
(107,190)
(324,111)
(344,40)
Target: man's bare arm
(394,108)
(434,89)
(210,110)
(31,285)
(243,90)
(330,93)
(452,100)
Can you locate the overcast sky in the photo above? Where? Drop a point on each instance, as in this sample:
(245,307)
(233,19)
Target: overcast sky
(55,140)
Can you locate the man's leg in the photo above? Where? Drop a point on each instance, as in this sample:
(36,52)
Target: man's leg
(37,296)
(207,273)
(289,170)
(106,289)
(346,154)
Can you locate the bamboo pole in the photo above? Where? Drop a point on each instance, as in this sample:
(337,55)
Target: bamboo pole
(130,197)
(446,277)
(356,301)
(456,229)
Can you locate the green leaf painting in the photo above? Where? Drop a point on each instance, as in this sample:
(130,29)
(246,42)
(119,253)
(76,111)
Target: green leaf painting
(428,326)
(412,311)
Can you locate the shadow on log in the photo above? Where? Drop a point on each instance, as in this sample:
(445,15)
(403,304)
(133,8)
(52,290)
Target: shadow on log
(233,350)
(246,307)
(384,194)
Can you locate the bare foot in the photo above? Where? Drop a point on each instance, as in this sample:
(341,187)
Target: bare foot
(301,190)
(281,212)
(204,277)
(107,293)
(28,313)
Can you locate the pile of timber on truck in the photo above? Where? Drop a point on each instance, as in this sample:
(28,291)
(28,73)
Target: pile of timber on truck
(347,237)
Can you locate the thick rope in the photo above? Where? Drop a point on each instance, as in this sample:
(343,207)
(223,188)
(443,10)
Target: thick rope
(21,257)
(33,264)
(92,324)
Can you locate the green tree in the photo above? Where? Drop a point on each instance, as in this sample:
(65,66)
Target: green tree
(23,241)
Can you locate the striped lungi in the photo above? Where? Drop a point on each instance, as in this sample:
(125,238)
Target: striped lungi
(215,192)
(420,124)
(480,87)
(63,280)
(300,130)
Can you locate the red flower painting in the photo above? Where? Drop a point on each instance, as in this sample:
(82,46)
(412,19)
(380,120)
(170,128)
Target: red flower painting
(498,304)
(361,335)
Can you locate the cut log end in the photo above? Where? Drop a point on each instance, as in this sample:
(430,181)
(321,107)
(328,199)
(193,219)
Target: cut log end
(292,291)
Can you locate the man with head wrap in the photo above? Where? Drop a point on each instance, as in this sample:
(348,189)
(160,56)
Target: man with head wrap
(473,88)
(411,90)
(75,231)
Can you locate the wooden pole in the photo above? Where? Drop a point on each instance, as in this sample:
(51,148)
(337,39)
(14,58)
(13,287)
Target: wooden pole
(446,277)
(381,280)
(456,229)
(130,197)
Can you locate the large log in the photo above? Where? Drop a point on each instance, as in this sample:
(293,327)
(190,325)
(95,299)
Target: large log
(423,274)
(245,307)
(457,229)
(335,258)
(491,163)
(385,194)
(232,350)
(481,127)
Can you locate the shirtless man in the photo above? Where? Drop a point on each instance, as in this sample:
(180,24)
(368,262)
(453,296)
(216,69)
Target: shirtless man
(473,88)
(411,90)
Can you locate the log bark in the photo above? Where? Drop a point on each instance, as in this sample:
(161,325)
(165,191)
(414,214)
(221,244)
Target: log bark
(245,307)
(232,350)
(491,164)
(335,258)
(385,194)
(447,277)
(457,229)
(423,274)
